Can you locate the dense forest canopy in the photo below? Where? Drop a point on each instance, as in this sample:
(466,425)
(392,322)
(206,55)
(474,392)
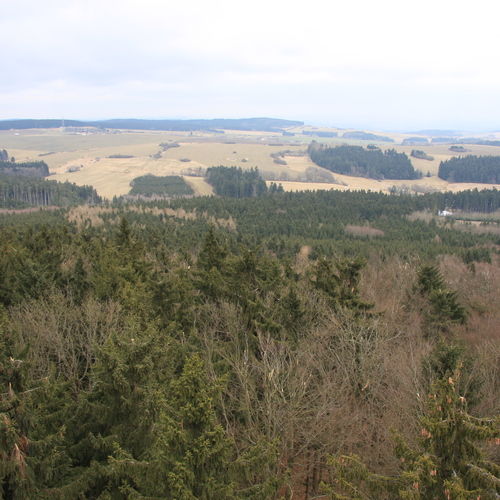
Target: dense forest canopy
(471,168)
(361,162)
(169,185)
(236,182)
(226,348)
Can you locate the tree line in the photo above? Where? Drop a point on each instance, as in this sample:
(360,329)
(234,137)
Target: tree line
(19,192)
(28,169)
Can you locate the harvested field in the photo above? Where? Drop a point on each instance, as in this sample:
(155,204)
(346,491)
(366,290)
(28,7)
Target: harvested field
(87,155)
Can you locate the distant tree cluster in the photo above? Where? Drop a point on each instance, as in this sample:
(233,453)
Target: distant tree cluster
(457,149)
(27,169)
(421,155)
(164,146)
(471,168)
(360,162)
(236,182)
(410,141)
(169,185)
(18,191)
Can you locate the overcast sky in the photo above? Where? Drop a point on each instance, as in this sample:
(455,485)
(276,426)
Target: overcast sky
(380,64)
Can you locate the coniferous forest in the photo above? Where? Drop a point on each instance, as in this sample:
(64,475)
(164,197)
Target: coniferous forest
(471,169)
(236,182)
(361,162)
(286,345)
(167,186)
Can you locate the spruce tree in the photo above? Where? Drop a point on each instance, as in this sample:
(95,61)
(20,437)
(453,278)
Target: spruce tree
(444,309)
(32,457)
(190,456)
(448,465)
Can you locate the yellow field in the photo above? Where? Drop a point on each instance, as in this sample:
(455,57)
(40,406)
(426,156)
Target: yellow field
(345,182)
(88,156)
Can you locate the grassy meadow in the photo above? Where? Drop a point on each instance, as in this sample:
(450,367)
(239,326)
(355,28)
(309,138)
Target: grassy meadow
(85,158)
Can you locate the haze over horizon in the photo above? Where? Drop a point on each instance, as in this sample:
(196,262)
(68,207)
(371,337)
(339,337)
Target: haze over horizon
(381,66)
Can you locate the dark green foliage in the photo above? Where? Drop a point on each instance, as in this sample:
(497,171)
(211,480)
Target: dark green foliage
(212,253)
(168,186)
(445,310)
(340,281)
(115,419)
(360,162)
(471,169)
(189,459)
(444,360)
(235,182)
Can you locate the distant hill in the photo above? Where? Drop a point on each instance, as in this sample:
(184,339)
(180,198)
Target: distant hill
(437,132)
(366,136)
(466,140)
(263,124)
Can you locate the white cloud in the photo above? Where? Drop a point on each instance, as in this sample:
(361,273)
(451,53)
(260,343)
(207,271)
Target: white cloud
(221,58)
